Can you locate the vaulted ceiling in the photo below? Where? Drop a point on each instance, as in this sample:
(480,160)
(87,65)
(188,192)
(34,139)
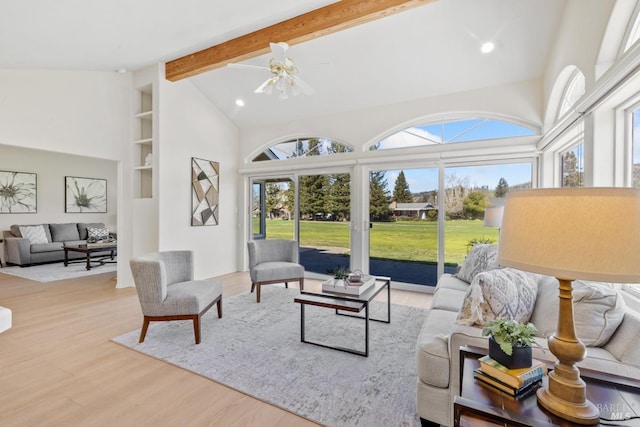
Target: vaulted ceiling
(429,50)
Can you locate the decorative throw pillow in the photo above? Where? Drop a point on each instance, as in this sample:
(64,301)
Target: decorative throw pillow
(506,292)
(97,233)
(35,233)
(598,310)
(482,257)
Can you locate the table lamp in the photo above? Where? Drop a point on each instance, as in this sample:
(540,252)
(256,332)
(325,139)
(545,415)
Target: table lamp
(493,216)
(572,234)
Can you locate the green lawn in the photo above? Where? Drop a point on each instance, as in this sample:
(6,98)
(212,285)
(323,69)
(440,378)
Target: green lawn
(404,240)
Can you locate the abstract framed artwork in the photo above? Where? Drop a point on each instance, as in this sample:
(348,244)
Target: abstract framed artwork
(85,195)
(18,192)
(205,180)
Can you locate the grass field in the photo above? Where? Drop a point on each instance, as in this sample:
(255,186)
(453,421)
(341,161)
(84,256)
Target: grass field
(403,240)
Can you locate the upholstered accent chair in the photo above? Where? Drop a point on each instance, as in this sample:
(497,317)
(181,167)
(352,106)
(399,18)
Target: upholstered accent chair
(274,261)
(167,291)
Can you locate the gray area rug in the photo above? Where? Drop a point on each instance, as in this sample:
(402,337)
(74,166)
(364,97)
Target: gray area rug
(256,349)
(56,271)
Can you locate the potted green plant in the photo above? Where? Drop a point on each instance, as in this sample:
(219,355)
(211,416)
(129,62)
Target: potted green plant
(339,275)
(510,342)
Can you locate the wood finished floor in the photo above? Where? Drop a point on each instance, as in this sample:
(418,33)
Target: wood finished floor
(58,367)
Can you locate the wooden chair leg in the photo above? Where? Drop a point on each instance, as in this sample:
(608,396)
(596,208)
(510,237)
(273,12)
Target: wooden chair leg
(253,286)
(258,292)
(302,283)
(286,285)
(220,308)
(196,327)
(145,326)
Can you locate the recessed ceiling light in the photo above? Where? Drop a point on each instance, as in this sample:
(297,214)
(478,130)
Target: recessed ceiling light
(239,102)
(487,47)
(121,70)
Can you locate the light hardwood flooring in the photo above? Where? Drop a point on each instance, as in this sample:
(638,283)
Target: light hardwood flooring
(58,366)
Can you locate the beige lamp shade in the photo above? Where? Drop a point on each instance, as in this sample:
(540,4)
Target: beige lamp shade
(573,233)
(493,216)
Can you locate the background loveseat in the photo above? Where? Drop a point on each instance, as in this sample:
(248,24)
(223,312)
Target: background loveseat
(610,332)
(23,251)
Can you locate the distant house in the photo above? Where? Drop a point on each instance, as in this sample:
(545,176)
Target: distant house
(420,210)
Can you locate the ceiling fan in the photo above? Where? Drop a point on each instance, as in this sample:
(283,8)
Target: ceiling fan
(284,77)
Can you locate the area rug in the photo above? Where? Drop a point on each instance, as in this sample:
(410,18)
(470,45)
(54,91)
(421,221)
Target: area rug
(256,349)
(56,271)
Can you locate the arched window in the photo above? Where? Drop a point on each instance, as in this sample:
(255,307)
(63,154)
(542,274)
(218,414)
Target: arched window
(573,91)
(302,147)
(633,31)
(452,131)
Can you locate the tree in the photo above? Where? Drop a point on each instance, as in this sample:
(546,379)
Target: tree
(289,198)
(571,176)
(456,190)
(378,197)
(401,192)
(474,204)
(502,188)
(273,202)
(338,202)
(313,195)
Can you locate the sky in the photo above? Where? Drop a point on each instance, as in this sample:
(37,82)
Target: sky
(420,180)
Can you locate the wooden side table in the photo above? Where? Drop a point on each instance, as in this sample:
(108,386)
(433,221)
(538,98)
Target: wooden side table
(618,398)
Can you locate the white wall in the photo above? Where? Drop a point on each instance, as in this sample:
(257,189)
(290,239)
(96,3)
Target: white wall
(84,113)
(190,126)
(51,168)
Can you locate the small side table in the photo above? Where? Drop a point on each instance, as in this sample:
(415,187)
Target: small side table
(618,397)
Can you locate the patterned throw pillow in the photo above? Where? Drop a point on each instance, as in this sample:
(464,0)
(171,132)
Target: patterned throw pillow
(481,258)
(35,233)
(97,233)
(506,292)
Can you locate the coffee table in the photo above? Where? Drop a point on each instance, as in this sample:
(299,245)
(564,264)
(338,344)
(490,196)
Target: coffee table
(346,305)
(90,249)
(616,397)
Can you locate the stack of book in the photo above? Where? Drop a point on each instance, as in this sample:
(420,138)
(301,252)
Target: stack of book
(515,382)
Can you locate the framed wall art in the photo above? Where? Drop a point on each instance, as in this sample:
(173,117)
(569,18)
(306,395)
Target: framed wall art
(18,192)
(205,180)
(84,195)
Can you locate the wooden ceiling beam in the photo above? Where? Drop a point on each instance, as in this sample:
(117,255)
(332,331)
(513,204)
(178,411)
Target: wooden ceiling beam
(326,20)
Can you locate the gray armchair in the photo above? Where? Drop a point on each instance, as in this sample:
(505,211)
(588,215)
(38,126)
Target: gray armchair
(167,291)
(274,261)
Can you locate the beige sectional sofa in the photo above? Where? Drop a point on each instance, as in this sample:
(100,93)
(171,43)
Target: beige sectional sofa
(610,332)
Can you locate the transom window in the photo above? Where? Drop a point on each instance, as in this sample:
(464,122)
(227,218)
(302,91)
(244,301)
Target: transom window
(302,147)
(453,131)
(572,92)
(633,33)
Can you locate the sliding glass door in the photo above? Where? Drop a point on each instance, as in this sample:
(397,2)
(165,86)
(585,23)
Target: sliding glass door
(273,208)
(324,215)
(403,218)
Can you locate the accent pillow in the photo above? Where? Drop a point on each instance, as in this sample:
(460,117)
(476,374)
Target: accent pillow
(598,310)
(97,233)
(506,292)
(64,232)
(35,233)
(482,257)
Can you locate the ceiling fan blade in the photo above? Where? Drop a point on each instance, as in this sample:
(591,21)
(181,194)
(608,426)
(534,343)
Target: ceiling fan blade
(279,50)
(304,86)
(247,67)
(265,87)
